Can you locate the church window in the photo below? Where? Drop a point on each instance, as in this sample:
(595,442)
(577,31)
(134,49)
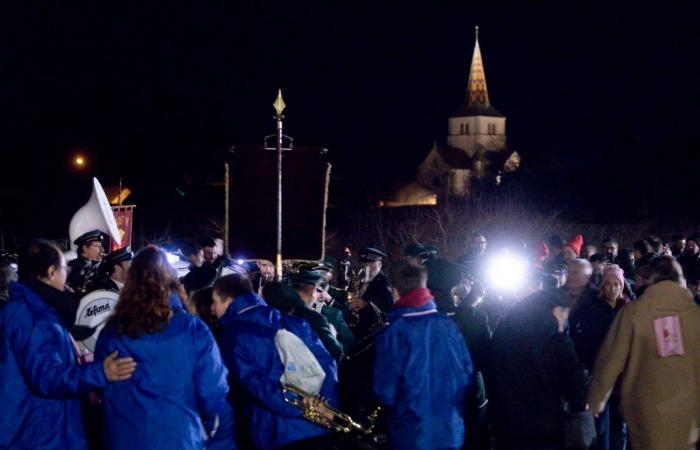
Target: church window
(492,128)
(461,128)
(466,128)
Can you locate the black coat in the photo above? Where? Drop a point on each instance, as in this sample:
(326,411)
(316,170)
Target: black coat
(588,326)
(379,292)
(82,270)
(532,368)
(321,327)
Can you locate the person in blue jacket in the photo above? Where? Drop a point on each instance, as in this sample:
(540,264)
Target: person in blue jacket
(248,328)
(177,398)
(422,369)
(40,377)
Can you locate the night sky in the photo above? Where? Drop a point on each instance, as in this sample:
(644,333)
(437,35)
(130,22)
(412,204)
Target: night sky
(602,99)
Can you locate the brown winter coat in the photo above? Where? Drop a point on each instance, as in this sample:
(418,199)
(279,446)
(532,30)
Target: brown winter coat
(660,396)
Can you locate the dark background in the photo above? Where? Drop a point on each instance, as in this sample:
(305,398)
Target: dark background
(602,100)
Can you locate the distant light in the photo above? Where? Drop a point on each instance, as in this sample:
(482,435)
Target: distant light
(79,161)
(240,261)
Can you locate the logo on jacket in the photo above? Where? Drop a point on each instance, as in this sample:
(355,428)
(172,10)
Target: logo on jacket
(96,310)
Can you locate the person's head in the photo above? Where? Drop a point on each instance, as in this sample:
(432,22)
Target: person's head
(41,260)
(267,269)
(642,276)
(692,244)
(572,249)
(666,268)
(556,243)
(641,249)
(371,258)
(613,283)
(677,244)
(203,300)
(281,296)
(588,250)
(405,277)
(144,301)
(211,251)
(226,289)
(90,245)
(540,252)
(656,244)
(7,276)
(578,274)
(308,285)
(194,254)
(412,253)
(117,263)
(598,261)
(478,243)
(610,248)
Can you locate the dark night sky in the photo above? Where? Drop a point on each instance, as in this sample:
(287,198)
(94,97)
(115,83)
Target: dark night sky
(152,92)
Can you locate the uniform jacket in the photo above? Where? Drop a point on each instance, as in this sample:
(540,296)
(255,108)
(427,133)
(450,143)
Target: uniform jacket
(180,377)
(39,377)
(320,325)
(588,326)
(422,372)
(82,270)
(247,341)
(660,397)
(379,293)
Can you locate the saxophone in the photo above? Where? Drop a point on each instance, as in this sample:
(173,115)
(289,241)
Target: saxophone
(353,291)
(323,414)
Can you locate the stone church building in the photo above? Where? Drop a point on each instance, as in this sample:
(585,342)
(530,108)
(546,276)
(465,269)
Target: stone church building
(476,154)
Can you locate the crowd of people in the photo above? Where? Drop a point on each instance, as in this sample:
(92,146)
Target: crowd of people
(591,346)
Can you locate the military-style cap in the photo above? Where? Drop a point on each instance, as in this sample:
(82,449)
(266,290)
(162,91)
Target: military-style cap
(371,254)
(90,236)
(318,266)
(313,277)
(430,251)
(280,296)
(119,255)
(414,249)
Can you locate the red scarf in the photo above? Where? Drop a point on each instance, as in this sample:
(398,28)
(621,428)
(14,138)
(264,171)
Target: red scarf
(415,298)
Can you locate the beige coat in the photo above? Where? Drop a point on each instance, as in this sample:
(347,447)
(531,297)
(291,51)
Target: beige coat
(660,396)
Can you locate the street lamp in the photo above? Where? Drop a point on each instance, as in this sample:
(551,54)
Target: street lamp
(79,161)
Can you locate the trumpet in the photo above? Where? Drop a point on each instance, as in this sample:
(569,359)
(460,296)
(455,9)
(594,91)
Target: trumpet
(321,413)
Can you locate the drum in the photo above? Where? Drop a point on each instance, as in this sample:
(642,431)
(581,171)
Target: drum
(94,310)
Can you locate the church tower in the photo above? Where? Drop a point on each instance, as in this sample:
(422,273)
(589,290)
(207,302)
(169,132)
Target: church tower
(477,126)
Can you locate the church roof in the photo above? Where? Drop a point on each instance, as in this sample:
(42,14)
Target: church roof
(455,158)
(478,103)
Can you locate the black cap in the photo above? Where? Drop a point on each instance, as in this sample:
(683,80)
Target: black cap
(90,236)
(313,277)
(371,254)
(318,266)
(414,249)
(119,255)
(430,251)
(280,296)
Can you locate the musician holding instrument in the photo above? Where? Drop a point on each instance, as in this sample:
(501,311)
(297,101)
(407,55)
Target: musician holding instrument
(375,286)
(250,331)
(113,270)
(84,268)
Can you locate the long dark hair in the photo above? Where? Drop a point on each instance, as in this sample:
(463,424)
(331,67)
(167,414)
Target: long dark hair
(144,305)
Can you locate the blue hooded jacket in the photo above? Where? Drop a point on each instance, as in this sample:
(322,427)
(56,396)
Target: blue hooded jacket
(176,395)
(422,371)
(40,377)
(247,342)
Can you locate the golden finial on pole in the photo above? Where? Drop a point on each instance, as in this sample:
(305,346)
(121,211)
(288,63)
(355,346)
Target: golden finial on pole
(279,103)
(476,31)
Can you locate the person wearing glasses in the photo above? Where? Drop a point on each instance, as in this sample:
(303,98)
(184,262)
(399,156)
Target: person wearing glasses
(84,267)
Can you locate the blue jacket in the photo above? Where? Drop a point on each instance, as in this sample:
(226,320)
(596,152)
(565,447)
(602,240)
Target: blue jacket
(247,341)
(422,371)
(39,377)
(177,392)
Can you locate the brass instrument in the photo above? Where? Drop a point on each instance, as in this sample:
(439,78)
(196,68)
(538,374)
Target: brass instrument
(353,291)
(340,422)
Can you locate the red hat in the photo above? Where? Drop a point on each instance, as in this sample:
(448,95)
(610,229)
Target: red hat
(575,243)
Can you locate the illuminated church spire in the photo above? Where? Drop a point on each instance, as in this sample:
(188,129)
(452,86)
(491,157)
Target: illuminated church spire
(477,93)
